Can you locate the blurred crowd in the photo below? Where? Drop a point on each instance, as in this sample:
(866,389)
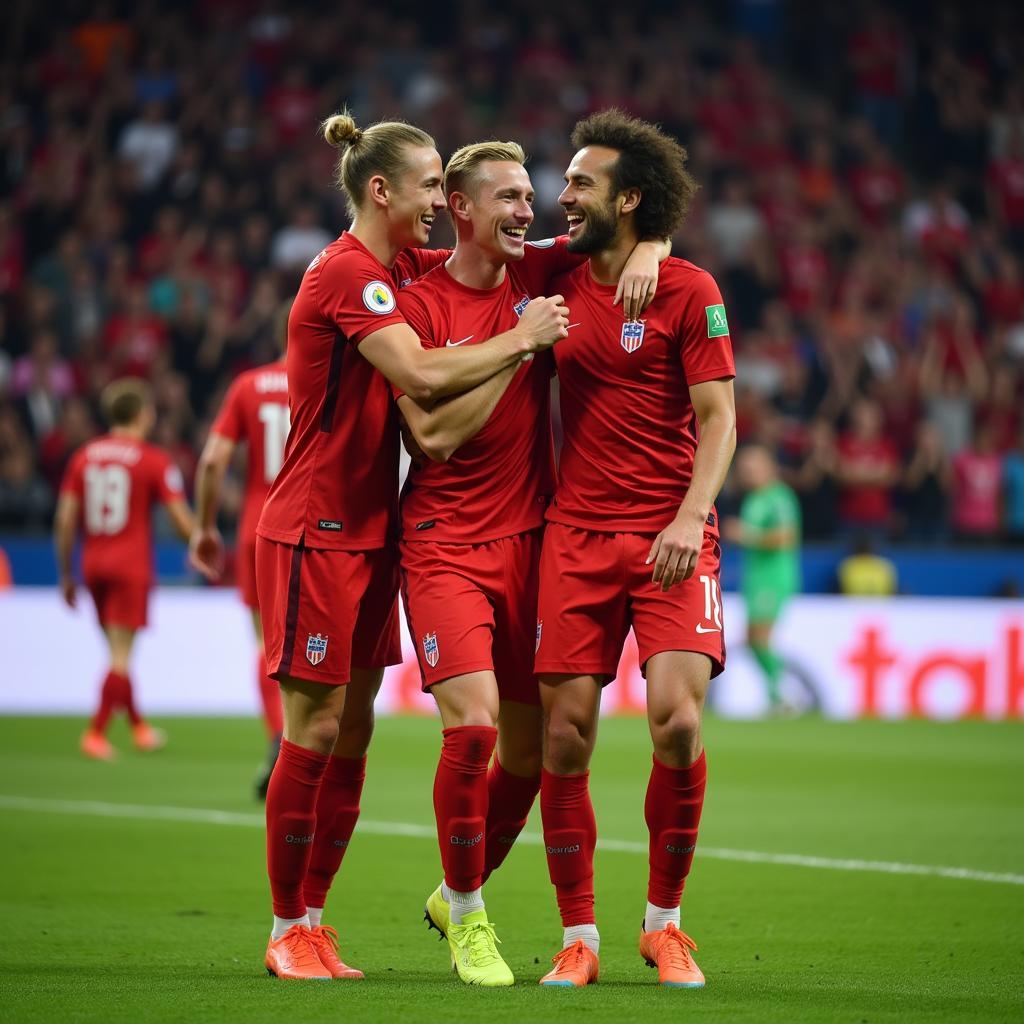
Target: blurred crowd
(162,187)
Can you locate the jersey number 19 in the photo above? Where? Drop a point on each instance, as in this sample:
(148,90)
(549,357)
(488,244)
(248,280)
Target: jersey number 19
(107,491)
(274,418)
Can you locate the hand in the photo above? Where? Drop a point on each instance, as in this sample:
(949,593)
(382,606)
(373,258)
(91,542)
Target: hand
(206,552)
(675,551)
(68,591)
(544,321)
(638,281)
(733,531)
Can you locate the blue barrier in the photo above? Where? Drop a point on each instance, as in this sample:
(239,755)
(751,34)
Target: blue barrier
(938,572)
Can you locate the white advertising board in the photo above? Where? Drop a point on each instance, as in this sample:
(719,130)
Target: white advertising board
(893,658)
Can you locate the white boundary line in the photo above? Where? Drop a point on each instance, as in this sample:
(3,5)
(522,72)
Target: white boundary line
(204,816)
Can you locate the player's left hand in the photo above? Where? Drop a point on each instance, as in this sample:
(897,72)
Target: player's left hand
(675,551)
(638,281)
(206,553)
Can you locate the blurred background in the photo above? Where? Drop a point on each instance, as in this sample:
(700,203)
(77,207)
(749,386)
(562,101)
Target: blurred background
(162,187)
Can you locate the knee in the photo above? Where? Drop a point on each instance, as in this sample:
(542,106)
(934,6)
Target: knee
(521,759)
(355,734)
(319,733)
(677,736)
(566,746)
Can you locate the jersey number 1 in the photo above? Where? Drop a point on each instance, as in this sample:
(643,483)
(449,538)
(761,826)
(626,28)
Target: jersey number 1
(274,417)
(107,490)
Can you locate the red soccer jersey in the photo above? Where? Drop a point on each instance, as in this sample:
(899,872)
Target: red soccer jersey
(255,411)
(338,486)
(630,430)
(499,482)
(117,481)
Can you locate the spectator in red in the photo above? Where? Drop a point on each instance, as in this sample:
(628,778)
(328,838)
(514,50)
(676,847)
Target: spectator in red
(877,184)
(292,106)
(1006,189)
(977,485)
(134,337)
(868,469)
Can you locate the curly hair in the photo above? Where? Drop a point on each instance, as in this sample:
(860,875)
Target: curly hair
(649,160)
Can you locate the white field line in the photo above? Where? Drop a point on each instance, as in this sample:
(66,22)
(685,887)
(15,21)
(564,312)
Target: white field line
(204,816)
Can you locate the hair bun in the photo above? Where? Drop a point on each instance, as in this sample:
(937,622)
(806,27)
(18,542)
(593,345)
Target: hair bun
(340,130)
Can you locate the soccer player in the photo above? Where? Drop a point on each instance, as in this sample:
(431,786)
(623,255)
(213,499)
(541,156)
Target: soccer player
(768,530)
(326,567)
(255,412)
(632,540)
(109,490)
(471,533)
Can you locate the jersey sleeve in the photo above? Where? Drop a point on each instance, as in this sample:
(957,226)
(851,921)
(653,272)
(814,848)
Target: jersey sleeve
(544,260)
(414,263)
(230,422)
(169,485)
(704,342)
(73,481)
(417,316)
(353,296)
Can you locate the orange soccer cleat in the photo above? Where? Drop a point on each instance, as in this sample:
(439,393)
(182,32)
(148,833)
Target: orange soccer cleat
(325,942)
(95,745)
(294,956)
(575,966)
(147,739)
(669,951)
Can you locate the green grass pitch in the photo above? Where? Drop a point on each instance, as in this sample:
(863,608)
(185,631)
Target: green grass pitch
(112,913)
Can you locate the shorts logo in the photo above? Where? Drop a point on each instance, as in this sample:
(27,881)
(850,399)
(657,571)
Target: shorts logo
(316,649)
(632,335)
(718,326)
(540,629)
(430,651)
(378,297)
(521,305)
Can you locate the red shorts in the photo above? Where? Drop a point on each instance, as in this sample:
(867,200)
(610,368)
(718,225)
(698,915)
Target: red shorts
(594,586)
(245,571)
(473,608)
(120,602)
(325,612)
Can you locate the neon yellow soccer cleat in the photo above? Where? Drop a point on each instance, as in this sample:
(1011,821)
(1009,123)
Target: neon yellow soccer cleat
(437,913)
(475,954)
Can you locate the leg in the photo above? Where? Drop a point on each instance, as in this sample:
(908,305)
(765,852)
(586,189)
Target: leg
(116,689)
(677,684)
(270,692)
(759,638)
(571,705)
(469,714)
(337,807)
(513,780)
(312,712)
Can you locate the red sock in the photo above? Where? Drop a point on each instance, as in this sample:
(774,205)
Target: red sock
(509,799)
(460,803)
(110,700)
(570,835)
(675,797)
(337,810)
(127,699)
(270,699)
(291,822)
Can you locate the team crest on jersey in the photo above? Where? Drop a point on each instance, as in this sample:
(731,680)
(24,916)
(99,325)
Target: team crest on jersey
(521,305)
(430,651)
(316,649)
(378,297)
(540,630)
(632,335)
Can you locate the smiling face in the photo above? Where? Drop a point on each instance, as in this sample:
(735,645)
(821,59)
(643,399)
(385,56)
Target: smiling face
(498,205)
(415,199)
(588,201)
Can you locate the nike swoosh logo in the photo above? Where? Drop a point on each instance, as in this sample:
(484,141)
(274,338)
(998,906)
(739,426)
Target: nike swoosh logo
(452,344)
(706,629)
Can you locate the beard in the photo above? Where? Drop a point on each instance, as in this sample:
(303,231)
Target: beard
(598,232)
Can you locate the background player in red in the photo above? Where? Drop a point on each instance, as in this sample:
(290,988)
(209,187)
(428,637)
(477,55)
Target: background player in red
(632,539)
(471,535)
(326,565)
(109,490)
(254,413)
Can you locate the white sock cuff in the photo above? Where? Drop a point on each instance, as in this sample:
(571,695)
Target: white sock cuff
(587,932)
(656,919)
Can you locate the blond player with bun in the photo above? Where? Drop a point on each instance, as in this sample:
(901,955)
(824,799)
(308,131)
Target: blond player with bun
(326,563)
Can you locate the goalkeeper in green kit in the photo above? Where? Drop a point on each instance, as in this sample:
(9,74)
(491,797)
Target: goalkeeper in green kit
(768,530)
